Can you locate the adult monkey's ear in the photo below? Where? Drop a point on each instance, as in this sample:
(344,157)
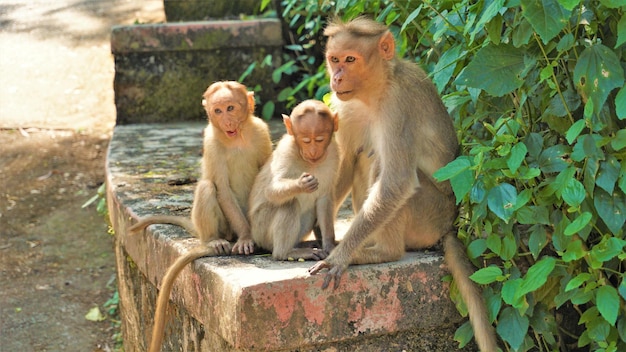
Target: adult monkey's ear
(387,46)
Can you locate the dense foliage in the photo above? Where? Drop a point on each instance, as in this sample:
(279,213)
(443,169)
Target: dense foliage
(536,90)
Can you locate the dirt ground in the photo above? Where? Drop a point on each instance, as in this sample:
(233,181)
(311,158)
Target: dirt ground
(56,117)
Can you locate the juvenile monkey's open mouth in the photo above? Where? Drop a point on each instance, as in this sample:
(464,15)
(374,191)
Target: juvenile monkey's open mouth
(231,133)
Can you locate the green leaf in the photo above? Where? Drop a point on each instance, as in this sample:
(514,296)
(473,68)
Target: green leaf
(586,147)
(621,34)
(501,200)
(509,291)
(517,155)
(476,248)
(547,17)
(522,33)
(411,17)
(621,327)
(598,71)
(494,303)
(574,251)
(497,69)
(486,275)
(444,69)
(494,243)
(619,142)
(577,281)
(538,239)
(607,302)
(453,168)
(509,247)
(574,131)
(553,159)
(460,175)
(607,249)
(578,224)
(608,174)
(537,275)
(463,335)
(573,193)
(530,215)
(622,287)
(620,101)
(489,11)
(268,110)
(611,209)
(512,327)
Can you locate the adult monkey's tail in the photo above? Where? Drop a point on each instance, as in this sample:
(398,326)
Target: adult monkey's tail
(461,269)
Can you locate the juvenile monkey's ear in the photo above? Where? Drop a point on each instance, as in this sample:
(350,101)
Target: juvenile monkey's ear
(335,118)
(387,46)
(203,102)
(250,97)
(287,122)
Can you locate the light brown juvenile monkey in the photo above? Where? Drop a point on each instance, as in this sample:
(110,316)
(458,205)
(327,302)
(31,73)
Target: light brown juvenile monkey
(236,145)
(395,133)
(294,190)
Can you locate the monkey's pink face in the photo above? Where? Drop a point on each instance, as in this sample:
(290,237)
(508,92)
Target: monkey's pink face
(346,69)
(312,136)
(227,111)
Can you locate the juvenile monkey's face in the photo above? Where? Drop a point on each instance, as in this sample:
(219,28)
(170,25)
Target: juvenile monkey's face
(312,134)
(227,109)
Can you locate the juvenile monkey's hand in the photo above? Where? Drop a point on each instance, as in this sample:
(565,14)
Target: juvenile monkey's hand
(243,246)
(308,183)
(335,270)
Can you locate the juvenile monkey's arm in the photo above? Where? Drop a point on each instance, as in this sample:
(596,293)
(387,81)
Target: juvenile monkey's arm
(282,190)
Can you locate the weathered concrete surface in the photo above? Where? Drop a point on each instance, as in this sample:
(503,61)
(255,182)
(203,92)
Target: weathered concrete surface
(253,303)
(161,70)
(200,10)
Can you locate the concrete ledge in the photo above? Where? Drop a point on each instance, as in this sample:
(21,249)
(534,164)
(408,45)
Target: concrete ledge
(187,36)
(161,70)
(253,303)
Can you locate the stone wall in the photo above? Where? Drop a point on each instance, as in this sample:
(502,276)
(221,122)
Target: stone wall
(161,70)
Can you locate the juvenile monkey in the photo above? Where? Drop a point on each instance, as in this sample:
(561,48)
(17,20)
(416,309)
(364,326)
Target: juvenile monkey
(236,145)
(395,133)
(294,190)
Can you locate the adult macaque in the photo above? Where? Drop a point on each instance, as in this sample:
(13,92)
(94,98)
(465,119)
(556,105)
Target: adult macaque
(294,190)
(236,145)
(395,133)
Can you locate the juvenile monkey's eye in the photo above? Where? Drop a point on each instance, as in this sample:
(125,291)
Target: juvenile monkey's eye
(350,59)
(334,59)
(230,108)
(218,111)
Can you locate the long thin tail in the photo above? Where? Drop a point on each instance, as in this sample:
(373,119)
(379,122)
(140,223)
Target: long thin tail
(181,221)
(461,269)
(166,289)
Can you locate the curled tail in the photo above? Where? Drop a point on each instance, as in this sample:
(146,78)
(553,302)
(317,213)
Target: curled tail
(461,269)
(164,219)
(166,289)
